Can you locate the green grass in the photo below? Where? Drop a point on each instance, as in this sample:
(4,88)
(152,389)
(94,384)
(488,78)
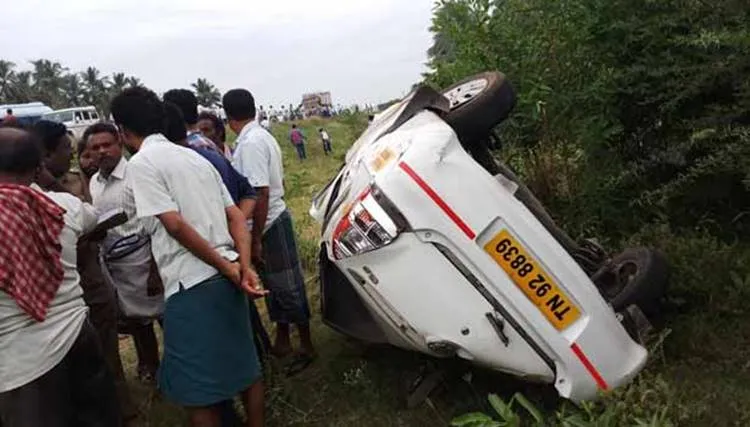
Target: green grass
(698,376)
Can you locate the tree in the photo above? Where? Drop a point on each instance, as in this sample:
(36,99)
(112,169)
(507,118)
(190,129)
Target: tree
(48,82)
(208,95)
(6,76)
(133,81)
(119,82)
(21,89)
(73,89)
(96,88)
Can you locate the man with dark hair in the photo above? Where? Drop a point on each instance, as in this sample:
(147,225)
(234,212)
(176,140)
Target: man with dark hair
(186,101)
(326,139)
(126,250)
(97,291)
(298,140)
(212,127)
(258,157)
(53,373)
(202,250)
(9,118)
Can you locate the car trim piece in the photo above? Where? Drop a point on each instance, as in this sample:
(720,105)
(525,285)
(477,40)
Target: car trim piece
(439,201)
(589,367)
(575,348)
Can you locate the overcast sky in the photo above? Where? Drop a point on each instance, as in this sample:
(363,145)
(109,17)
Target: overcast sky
(363,51)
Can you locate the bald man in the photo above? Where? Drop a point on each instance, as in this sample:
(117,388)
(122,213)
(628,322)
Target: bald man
(52,372)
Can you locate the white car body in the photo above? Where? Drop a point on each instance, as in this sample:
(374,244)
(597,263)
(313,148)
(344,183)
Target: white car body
(435,283)
(76,119)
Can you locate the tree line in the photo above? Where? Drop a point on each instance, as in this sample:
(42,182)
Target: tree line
(56,86)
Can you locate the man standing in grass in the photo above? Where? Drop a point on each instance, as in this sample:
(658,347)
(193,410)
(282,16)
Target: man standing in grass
(202,249)
(326,140)
(298,140)
(258,157)
(52,372)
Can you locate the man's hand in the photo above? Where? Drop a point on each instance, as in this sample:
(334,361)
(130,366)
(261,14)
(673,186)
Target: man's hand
(251,284)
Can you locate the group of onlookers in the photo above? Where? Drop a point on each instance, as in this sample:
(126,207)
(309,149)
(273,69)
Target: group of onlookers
(182,233)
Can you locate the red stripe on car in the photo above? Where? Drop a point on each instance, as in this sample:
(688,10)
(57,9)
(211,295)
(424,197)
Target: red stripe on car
(439,201)
(589,367)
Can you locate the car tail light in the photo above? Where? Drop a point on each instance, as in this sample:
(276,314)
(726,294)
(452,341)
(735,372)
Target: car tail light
(371,222)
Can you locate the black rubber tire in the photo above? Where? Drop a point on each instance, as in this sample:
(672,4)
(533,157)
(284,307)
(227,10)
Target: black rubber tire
(648,282)
(476,118)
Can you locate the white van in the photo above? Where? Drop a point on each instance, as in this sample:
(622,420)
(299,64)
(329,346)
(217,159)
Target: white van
(76,119)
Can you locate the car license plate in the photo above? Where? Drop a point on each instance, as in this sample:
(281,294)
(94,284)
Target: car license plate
(529,276)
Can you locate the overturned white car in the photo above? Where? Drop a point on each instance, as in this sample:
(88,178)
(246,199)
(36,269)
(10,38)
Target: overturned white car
(430,245)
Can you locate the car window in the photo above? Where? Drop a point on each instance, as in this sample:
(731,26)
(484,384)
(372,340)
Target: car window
(94,115)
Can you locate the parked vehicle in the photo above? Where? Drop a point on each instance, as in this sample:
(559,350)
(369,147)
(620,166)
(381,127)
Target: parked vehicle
(28,113)
(76,119)
(431,245)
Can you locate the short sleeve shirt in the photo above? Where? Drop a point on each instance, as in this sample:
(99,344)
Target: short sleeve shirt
(165,177)
(30,349)
(258,157)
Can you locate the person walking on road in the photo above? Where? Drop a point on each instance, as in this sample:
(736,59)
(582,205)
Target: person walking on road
(298,140)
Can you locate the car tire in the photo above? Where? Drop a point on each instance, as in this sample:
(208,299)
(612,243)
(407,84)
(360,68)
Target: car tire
(642,275)
(478,104)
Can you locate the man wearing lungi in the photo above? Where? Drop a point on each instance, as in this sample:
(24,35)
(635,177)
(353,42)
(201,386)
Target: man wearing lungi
(202,250)
(258,157)
(126,250)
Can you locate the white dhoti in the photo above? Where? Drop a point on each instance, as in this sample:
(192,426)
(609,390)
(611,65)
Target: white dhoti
(126,263)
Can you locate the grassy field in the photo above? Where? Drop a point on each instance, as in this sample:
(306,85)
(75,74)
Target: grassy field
(698,372)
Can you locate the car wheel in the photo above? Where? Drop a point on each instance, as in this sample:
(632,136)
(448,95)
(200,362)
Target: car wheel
(478,104)
(639,276)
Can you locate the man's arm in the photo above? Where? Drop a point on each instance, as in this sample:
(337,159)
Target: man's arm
(259,222)
(247,206)
(186,235)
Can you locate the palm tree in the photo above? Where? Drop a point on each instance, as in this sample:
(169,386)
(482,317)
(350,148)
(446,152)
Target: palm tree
(95,88)
(208,95)
(48,81)
(20,89)
(6,77)
(119,82)
(133,81)
(73,89)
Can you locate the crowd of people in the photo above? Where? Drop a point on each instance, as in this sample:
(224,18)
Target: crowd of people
(185,233)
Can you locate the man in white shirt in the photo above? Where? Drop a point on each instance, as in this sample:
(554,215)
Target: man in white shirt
(258,156)
(129,274)
(202,250)
(52,371)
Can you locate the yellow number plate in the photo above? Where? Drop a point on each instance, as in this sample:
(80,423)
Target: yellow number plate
(532,280)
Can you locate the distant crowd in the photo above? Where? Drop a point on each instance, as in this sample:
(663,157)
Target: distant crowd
(186,232)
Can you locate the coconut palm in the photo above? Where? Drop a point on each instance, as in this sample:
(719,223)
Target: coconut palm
(20,88)
(208,95)
(133,81)
(73,89)
(95,88)
(119,82)
(48,81)
(6,77)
